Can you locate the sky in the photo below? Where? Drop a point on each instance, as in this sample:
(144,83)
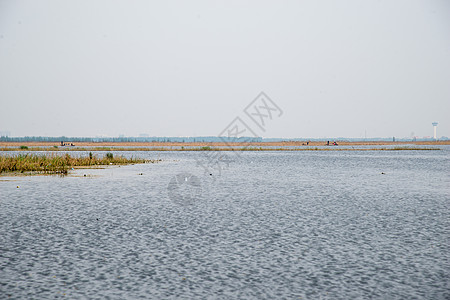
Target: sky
(189,68)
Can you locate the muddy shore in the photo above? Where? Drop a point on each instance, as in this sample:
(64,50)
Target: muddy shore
(216,144)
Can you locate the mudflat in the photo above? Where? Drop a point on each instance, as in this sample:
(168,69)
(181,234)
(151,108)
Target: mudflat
(219,144)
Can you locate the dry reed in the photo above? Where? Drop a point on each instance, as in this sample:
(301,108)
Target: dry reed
(59,164)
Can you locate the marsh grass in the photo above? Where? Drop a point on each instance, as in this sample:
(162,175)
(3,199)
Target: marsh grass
(207,148)
(59,164)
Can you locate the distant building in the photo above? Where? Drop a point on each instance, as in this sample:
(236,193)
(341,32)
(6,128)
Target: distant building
(435,124)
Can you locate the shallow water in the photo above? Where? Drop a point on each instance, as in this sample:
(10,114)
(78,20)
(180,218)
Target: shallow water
(295,225)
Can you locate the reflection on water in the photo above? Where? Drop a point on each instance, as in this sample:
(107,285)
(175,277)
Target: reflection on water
(309,225)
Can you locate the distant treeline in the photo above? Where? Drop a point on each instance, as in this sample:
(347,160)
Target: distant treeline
(201,139)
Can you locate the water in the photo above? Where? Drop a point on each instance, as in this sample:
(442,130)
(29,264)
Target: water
(274,225)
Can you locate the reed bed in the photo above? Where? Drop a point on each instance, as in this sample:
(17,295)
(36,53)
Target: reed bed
(333,148)
(60,164)
(243,148)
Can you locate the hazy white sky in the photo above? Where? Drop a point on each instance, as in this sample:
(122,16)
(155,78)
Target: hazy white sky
(188,68)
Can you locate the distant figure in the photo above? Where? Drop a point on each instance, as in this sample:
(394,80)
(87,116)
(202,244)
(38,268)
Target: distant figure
(307,143)
(62,143)
(328,143)
(334,143)
(71,144)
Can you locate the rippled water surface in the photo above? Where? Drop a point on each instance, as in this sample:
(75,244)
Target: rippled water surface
(273,225)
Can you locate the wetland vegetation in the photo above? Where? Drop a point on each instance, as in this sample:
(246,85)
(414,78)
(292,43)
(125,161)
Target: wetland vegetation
(51,163)
(222,148)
